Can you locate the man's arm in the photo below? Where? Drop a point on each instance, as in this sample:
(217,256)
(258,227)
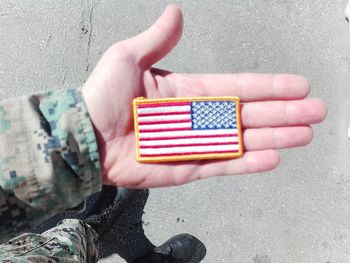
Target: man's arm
(49,159)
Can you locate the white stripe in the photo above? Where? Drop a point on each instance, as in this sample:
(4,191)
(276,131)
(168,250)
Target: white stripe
(166,126)
(188,141)
(165,117)
(164,109)
(187,133)
(190,149)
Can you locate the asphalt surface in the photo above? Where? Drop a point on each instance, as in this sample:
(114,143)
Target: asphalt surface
(297,213)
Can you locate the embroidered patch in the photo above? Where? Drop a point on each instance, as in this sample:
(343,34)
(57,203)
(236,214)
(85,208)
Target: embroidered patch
(178,129)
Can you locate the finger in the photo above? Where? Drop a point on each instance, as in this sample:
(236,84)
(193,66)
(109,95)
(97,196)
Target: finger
(251,162)
(247,86)
(157,41)
(283,113)
(276,138)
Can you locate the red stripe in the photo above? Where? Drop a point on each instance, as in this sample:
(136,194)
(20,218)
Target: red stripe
(164,104)
(188,137)
(186,145)
(189,153)
(165,130)
(162,122)
(163,113)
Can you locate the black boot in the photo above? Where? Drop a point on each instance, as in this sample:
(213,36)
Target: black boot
(102,200)
(183,248)
(117,218)
(108,208)
(127,237)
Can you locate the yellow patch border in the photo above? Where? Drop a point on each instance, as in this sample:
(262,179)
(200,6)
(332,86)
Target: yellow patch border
(192,157)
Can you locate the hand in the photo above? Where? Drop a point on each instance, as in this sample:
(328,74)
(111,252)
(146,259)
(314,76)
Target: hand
(275,113)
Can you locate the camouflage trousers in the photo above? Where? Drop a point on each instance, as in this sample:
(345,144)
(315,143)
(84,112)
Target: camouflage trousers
(71,240)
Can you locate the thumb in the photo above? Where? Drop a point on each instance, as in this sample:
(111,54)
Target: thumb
(156,42)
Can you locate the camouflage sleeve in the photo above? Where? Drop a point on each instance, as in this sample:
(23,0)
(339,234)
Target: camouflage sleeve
(48,158)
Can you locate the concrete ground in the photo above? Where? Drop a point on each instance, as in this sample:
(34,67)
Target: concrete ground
(297,213)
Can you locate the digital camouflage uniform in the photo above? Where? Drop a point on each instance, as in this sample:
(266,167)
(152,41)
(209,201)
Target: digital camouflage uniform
(48,162)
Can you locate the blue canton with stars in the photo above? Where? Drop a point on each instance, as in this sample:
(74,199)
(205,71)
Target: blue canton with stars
(210,115)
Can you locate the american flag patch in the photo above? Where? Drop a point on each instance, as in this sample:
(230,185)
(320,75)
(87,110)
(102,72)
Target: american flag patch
(178,129)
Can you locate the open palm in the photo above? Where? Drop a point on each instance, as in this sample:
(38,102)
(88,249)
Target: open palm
(275,113)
